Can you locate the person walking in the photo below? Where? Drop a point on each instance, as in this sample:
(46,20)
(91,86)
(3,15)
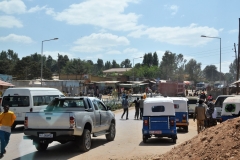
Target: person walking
(137,105)
(199,114)
(141,106)
(7,119)
(125,107)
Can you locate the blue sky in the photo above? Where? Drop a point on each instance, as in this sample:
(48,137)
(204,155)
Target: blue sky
(121,29)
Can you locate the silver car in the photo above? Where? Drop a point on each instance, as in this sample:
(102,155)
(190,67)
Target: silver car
(192,103)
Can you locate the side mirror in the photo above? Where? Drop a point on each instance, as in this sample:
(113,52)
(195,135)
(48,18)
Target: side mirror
(108,108)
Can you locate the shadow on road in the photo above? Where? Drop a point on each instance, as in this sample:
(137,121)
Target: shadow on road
(61,151)
(157,142)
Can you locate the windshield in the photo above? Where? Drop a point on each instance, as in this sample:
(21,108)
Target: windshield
(200,85)
(192,101)
(16,101)
(66,103)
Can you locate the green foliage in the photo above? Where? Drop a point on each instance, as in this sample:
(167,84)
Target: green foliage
(126,64)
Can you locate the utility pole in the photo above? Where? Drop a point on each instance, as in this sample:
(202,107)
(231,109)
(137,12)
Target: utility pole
(238,56)
(58,68)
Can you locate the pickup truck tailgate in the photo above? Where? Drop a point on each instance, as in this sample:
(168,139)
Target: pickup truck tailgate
(48,120)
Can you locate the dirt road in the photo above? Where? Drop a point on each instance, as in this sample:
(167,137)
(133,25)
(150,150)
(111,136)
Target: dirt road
(127,144)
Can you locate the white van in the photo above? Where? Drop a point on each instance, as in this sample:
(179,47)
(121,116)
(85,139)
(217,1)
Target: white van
(22,100)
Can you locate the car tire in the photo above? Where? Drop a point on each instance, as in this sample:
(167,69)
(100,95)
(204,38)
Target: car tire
(84,142)
(112,132)
(145,139)
(41,146)
(13,126)
(186,129)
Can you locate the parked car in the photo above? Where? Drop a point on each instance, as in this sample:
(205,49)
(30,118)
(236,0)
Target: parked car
(70,119)
(192,103)
(159,119)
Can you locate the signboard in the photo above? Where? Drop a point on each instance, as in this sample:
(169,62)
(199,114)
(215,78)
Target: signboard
(6,78)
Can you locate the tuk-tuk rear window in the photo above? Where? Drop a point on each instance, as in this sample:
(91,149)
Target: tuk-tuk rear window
(176,106)
(158,109)
(15,101)
(230,108)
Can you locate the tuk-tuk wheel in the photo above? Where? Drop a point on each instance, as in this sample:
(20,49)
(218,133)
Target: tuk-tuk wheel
(186,129)
(174,140)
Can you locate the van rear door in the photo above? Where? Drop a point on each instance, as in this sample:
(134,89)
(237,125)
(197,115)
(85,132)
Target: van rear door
(18,104)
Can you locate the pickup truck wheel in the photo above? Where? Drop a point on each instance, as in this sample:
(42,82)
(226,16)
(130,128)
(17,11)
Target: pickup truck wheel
(112,132)
(41,146)
(85,141)
(13,126)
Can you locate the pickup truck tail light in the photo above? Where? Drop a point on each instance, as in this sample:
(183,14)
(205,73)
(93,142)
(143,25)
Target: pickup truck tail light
(31,109)
(184,117)
(145,122)
(171,121)
(72,121)
(26,123)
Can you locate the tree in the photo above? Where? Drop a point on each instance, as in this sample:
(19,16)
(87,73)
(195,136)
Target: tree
(210,73)
(115,65)
(108,65)
(126,64)
(233,69)
(155,59)
(193,69)
(168,65)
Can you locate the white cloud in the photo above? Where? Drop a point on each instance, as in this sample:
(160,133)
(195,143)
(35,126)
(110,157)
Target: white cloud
(189,35)
(130,50)
(12,6)
(108,14)
(99,42)
(16,38)
(36,9)
(9,22)
(233,31)
(174,9)
(113,52)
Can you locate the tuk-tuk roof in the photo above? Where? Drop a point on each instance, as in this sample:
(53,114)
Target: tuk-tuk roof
(168,104)
(232,100)
(182,102)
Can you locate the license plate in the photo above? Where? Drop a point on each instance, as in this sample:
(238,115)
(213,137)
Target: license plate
(45,135)
(18,114)
(155,132)
(184,121)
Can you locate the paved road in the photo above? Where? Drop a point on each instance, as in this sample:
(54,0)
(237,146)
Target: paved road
(127,144)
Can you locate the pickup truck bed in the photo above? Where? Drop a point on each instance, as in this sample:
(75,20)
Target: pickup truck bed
(70,119)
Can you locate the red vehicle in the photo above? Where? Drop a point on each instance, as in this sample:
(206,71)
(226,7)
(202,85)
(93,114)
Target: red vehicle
(171,89)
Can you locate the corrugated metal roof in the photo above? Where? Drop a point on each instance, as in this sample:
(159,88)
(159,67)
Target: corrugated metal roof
(117,70)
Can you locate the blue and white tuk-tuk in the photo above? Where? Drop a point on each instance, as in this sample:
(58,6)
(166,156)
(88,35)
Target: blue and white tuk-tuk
(181,112)
(159,118)
(230,108)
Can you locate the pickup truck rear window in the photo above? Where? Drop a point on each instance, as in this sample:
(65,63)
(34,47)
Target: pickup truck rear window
(158,109)
(66,103)
(16,101)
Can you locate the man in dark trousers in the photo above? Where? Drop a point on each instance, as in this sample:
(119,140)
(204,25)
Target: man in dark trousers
(7,119)
(125,107)
(141,106)
(137,105)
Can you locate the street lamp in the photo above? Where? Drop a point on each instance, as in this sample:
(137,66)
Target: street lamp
(220,52)
(42,57)
(133,65)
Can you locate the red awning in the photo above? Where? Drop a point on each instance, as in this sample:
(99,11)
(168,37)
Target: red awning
(2,83)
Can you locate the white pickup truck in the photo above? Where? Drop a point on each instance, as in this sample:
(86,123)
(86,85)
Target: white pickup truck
(70,119)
